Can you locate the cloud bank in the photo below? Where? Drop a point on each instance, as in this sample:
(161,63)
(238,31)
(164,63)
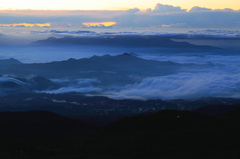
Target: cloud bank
(79,85)
(160,8)
(183,86)
(160,16)
(214,76)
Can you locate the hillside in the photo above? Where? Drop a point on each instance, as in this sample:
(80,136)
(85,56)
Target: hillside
(166,134)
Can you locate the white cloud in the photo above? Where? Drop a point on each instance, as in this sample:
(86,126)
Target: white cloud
(133,11)
(161,8)
(218,81)
(198,17)
(79,85)
(200,9)
(89,89)
(184,86)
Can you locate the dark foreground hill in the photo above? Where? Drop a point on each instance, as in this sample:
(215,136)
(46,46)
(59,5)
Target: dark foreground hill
(167,134)
(38,125)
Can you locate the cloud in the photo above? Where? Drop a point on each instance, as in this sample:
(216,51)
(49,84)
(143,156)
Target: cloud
(197,17)
(183,86)
(207,33)
(222,80)
(73,89)
(117,40)
(165,15)
(84,32)
(9,84)
(226,10)
(12,79)
(200,9)
(215,33)
(161,8)
(149,10)
(79,85)
(133,11)
(214,76)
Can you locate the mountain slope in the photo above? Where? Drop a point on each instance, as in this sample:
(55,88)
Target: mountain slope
(38,125)
(108,70)
(10,61)
(166,134)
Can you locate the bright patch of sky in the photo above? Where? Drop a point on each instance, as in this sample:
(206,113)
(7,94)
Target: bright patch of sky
(114,4)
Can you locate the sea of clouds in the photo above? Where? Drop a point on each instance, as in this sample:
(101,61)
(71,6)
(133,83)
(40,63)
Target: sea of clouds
(222,79)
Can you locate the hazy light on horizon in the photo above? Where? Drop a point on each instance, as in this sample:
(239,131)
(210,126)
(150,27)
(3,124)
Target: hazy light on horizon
(25,25)
(93,24)
(113,4)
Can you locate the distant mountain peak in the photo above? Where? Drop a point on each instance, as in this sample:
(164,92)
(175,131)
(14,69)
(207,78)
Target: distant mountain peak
(71,59)
(111,56)
(10,61)
(126,54)
(106,55)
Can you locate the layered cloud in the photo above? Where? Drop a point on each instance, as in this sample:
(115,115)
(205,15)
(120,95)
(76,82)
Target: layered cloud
(183,86)
(199,9)
(133,11)
(203,75)
(219,80)
(79,85)
(160,8)
(160,16)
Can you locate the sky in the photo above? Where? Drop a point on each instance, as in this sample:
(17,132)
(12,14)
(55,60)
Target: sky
(113,4)
(117,14)
(135,15)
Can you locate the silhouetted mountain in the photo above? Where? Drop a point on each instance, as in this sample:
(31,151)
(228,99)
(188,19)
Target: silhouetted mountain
(217,109)
(205,102)
(41,83)
(166,120)
(95,110)
(135,41)
(10,61)
(124,69)
(107,70)
(173,134)
(233,113)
